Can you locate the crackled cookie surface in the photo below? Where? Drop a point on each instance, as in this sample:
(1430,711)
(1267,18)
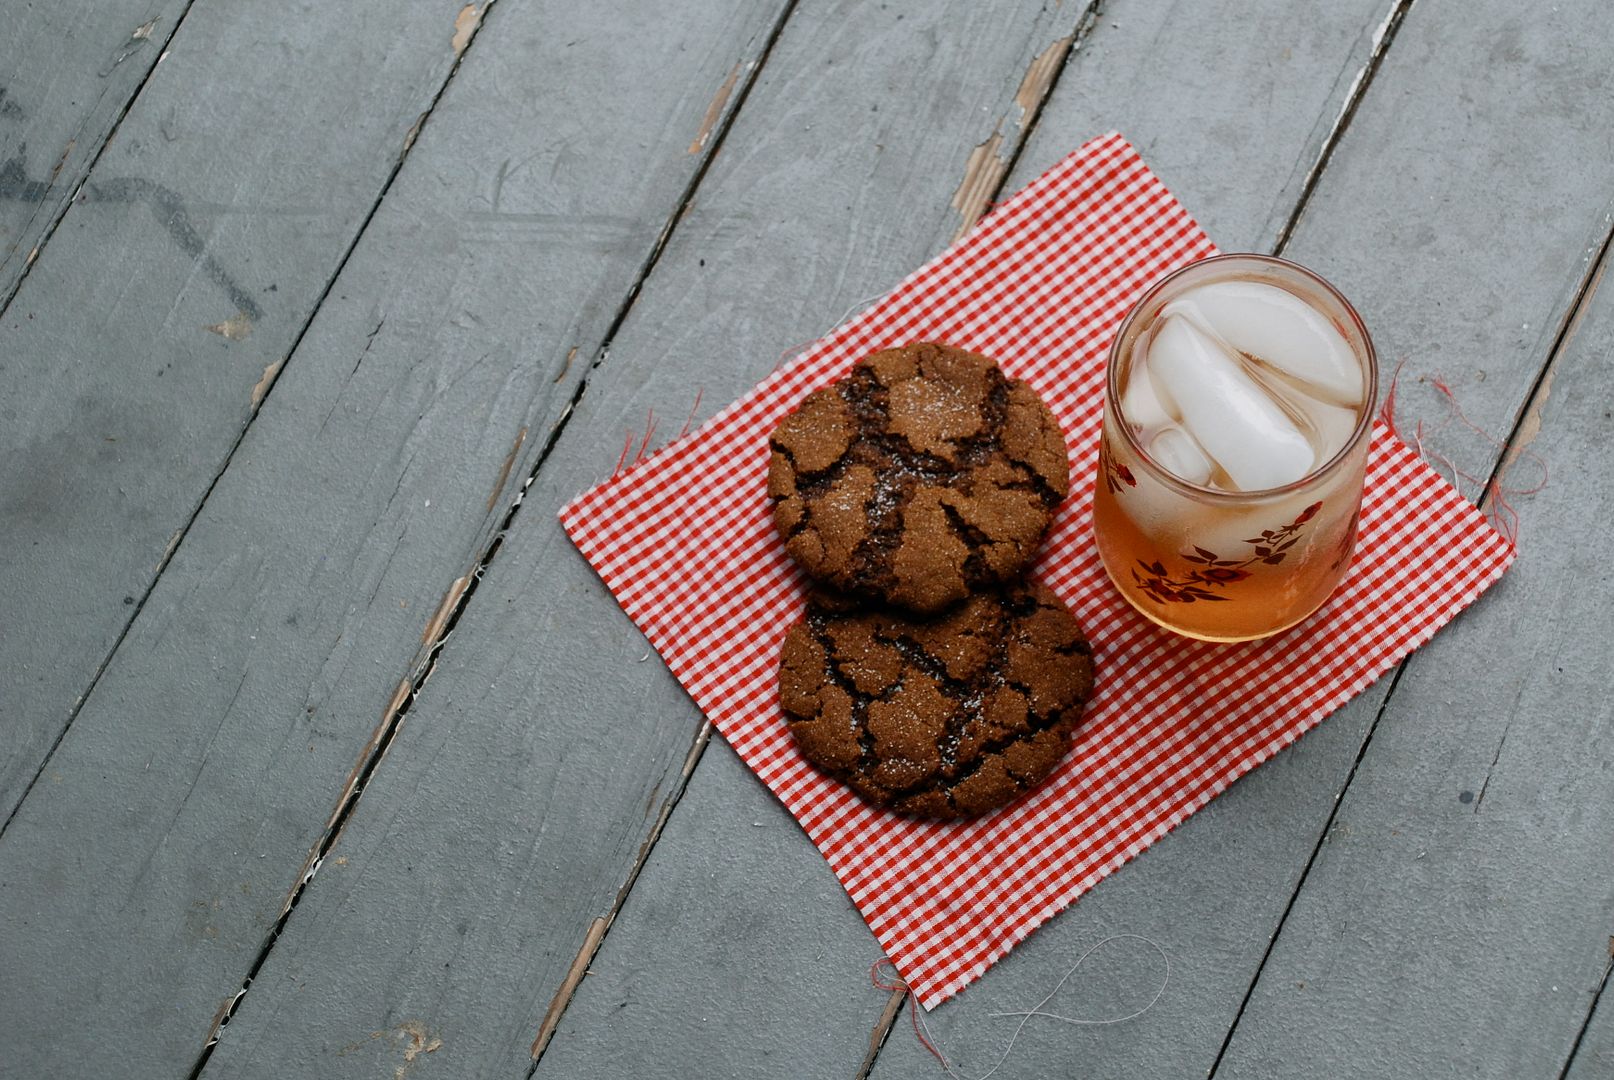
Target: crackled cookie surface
(945,717)
(922,476)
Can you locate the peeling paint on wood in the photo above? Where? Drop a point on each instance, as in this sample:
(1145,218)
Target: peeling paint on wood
(882,1029)
(439,619)
(568,986)
(416,1040)
(504,470)
(261,387)
(235,328)
(571,354)
(983,172)
(714,111)
(465,24)
(414,132)
(1040,77)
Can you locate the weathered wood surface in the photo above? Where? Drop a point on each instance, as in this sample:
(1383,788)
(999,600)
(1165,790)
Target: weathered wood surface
(238,713)
(1459,916)
(150,327)
(505,824)
(554,739)
(644,964)
(1594,1057)
(1395,223)
(68,70)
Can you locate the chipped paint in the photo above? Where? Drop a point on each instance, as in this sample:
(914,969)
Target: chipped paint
(1040,77)
(261,387)
(168,551)
(882,1029)
(567,366)
(465,24)
(568,985)
(416,1040)
(439,619)
(235,328)
(1530,426)
(143,32)
(715,110)
(413,133)
(504,470)
(66,150)
(983,172)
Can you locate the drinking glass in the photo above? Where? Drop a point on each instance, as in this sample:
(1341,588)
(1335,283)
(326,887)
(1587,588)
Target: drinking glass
(1223,565)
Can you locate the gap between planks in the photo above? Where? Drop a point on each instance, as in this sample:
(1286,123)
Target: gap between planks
(442,620)
(1383,37)
(260,391)
(441,625)
(1524,429)
(1591,1011)
(141,33)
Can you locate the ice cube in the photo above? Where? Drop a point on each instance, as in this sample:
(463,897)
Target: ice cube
(1176,451)
(1140,406)
(1226,412)
(1332,424)
(1282,330)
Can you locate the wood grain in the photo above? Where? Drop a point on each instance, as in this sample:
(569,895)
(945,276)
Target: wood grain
(1394,222)
(253,692)
(646,965)
(546,745)
(68,71)
(152,326)
(1594,1056)
(1470,854)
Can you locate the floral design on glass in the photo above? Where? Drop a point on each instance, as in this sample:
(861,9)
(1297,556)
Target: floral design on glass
(1214,572)
(1115,473)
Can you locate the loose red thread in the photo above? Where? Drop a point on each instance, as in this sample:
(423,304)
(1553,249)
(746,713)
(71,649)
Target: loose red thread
(693,409)
(894,984)
(1504,517)
(1387,409)
(629,458)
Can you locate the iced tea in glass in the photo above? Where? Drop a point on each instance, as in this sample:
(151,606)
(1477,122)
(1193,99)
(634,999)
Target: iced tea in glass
(1237,415)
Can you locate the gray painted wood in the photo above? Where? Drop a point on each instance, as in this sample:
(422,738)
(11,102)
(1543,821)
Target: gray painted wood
(151,326)
(68,69)
(1458,918)
(517,795)
(1230,105)
(1400,239)
(670,972)
(731,955)
(1595,1057)
(202,771)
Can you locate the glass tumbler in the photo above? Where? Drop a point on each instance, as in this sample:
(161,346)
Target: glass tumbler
(1212,563)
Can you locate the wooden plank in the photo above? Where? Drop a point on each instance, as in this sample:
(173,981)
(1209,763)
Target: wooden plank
(1394,221)
(1594,1055)
(145,874)
(1458,918)
(68,70)
(546,745)
(149,330)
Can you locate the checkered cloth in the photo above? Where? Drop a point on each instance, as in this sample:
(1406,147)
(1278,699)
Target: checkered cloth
(686,545)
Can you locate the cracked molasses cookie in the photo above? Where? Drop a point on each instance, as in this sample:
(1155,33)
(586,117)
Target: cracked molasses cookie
(944,717)
(922,476)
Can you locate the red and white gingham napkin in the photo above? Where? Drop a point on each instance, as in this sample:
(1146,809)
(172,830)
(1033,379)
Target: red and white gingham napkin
(685,543)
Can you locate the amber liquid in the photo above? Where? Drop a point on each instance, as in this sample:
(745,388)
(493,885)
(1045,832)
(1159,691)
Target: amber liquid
(1229,592)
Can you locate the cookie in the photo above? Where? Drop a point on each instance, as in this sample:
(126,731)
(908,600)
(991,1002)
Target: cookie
(945,717)
(922,476)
